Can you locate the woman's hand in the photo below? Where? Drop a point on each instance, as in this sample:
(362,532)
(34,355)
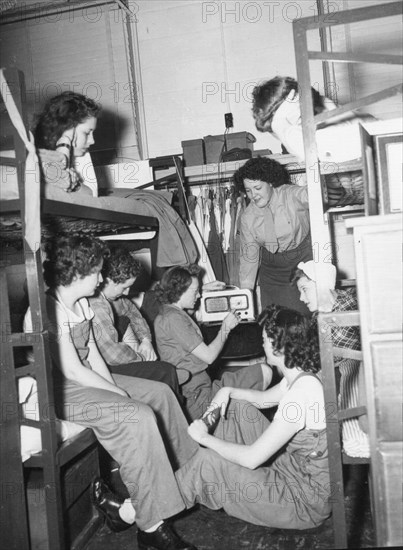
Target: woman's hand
(230,321)
(220,400)
(147,351)
(197,431)
(70,134)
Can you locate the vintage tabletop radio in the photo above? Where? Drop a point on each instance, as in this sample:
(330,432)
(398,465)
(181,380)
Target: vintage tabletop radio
(216,304)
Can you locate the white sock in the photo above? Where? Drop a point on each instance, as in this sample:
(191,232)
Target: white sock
(154,527)
(127,511)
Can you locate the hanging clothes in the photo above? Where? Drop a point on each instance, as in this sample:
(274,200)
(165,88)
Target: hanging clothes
(214,248)
(233,252)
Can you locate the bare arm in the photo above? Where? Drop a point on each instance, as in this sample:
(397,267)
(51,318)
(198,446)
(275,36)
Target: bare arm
(250,456)
(209,353)
(260,399)
(66,358)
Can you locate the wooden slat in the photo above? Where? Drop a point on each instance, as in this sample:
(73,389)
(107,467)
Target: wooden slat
(348,16)
(86,212)
(345,57)
(15,535)
(344,414)
(342,318)
(347,353)
(359,103)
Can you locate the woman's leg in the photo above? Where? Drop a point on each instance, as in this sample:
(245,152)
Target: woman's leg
(128,430)
(243,423)
(159,371)
(251,377)
(257,496)
(171,420)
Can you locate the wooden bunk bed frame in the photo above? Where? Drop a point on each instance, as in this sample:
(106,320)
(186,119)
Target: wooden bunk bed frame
(320,220)
(67,468)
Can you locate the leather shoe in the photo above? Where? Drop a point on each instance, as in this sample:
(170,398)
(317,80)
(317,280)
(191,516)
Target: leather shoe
(108,504)
(164,538)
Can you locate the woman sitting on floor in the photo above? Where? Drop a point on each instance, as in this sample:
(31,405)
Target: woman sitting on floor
(274,474)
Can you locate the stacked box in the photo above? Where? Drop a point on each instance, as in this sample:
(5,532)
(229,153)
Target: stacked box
(214,146)
(240,140)
(193,152)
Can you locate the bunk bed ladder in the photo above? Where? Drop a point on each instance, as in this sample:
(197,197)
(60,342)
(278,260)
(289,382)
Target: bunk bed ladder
(335,416)
(40,369)
(15,535)
(320,225)
(68,469)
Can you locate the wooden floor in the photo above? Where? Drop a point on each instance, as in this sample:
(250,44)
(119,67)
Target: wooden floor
(215,530)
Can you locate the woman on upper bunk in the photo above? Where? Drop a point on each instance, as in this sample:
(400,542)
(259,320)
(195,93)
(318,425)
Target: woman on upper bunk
(180,342)
(276,109)
(64,132)
(274,231)
(276,472)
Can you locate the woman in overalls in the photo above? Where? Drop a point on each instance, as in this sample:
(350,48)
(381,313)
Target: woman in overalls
(274,231)
(268,473)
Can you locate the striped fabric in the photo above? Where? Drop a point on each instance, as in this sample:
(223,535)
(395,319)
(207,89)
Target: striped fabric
(355,441)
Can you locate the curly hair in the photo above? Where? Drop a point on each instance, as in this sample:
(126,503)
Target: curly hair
(293,335)
(175,282)
(263,169)
(120,266)
(268,96)
(61,113)
(70,256)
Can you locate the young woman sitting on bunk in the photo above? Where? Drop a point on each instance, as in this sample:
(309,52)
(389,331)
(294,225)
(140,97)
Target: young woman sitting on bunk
(64,133)
(139,422)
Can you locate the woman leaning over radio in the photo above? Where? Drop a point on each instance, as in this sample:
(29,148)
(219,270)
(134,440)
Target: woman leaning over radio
(274,231)
(180,342)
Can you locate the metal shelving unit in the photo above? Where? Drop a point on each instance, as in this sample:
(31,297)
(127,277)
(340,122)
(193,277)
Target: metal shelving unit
(320,220)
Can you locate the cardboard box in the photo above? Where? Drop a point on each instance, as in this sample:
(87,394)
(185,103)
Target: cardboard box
(240,140)
(193,152)
(214,146)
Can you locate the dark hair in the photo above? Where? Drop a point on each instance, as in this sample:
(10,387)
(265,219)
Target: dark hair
(268,96)
(120,266)
(70,256)
(60,113)
(296,275)
(175,282)
(293,335)
(263,169)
